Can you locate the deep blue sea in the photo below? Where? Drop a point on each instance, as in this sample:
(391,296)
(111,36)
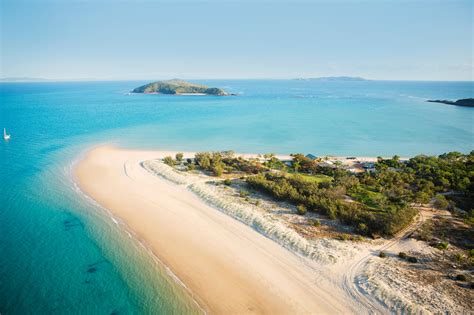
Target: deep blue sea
(63,254)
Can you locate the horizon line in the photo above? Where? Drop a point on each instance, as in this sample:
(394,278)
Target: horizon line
(45,80)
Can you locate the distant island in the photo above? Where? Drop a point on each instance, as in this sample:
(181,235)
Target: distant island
(341,78)
(466,102)
(178,87)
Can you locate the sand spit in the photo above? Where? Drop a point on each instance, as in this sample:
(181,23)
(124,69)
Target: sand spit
(228,266)
(236,257)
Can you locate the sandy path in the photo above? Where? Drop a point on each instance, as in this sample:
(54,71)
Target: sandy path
(230,268)
(358,265)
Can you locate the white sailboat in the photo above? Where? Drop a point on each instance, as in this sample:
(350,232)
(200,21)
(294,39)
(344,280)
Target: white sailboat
(5,135)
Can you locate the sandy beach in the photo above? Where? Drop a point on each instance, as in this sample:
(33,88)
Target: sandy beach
(234,257)
(228,267)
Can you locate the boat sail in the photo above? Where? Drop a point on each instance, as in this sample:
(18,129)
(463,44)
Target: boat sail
(5,135)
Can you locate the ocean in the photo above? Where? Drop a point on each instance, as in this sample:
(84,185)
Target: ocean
(61,253)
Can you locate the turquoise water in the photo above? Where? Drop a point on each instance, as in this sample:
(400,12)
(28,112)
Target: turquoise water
(63,254)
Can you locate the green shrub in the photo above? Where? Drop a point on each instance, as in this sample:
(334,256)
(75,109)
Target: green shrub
(316,223)
(344,237)
(442,245)
(382,255)
(412,259)
(203,159)
(441,202)
(243,193)
(257,203)
(426,231)
(459,257)
(227,182)
(191,167)
(217,170)
(179,157)
(301,209)
(331,214)
(168,160)
(402,255)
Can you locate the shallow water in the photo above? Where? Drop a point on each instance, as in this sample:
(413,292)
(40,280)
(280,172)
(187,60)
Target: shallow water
(61,253)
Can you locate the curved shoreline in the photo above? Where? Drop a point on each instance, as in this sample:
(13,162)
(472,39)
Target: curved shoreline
(228,259)
(123,225)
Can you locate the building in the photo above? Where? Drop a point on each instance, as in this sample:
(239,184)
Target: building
(311,156)
(369,166)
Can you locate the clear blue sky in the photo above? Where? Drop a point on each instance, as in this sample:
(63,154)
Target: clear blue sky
(411,40)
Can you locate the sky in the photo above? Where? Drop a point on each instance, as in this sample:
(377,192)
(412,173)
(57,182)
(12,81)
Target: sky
(121,40)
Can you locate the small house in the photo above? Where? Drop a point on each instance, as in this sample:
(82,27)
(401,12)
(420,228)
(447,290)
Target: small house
(369,166)
(311,156)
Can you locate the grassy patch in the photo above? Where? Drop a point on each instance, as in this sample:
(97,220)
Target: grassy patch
(368,197)
(317,178)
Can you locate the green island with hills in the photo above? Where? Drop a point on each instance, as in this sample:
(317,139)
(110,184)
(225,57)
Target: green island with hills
(179,87)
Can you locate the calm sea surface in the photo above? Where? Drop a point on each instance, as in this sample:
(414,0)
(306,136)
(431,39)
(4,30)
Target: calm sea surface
(63,254)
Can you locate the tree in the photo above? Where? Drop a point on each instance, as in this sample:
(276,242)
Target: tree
(216,158)
(268,156)
(205,163)
(273,163)
(203,159)
(422,197)
(303,164)
(296,166)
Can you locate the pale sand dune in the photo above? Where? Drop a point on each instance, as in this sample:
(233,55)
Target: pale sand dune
(229,268)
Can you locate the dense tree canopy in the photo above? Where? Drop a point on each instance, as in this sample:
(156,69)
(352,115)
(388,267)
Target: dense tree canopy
(377,202)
